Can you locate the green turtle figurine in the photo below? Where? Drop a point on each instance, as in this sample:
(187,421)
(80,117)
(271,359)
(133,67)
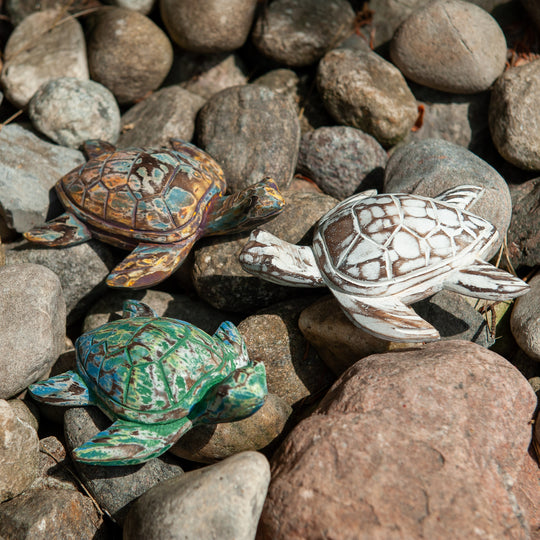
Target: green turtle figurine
(155,202)
(156,378)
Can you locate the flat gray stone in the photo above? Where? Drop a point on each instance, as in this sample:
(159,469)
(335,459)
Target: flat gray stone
(29,292)
(58,51)
(222,501)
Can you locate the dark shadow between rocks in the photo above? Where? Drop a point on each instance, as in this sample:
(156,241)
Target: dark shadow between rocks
(446,323)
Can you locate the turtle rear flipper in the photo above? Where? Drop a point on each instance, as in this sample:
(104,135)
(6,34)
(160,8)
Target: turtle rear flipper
(149,264)
(461,196)
(483,280)
(386,318)
(66,389)
(65,230)
(128,443)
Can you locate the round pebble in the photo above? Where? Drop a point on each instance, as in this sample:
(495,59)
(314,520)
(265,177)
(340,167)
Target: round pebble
(450,45)
(70,111)
(342,160)
(299,32)
(365,91)
(128,53)
(514,115)
(211,26)
(525,320)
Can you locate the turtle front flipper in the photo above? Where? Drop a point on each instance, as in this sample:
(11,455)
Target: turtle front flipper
(386,318)
(150,264)
(483,280)
(65,230)
(66,389)
(128,443)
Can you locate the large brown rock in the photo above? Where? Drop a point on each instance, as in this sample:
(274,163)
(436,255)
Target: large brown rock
(422,443)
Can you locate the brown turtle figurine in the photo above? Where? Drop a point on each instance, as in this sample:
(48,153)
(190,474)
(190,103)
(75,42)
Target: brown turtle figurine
(156,202)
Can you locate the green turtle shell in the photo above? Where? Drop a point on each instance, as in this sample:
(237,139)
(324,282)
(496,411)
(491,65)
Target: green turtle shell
(146,195)
(149,370)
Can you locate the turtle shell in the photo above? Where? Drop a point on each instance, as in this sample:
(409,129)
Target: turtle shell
(390,242)
(143,194)
(148,369)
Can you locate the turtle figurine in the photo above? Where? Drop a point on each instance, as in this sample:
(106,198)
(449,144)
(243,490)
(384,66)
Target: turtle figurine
(156,378)
(155,202)
(378,253)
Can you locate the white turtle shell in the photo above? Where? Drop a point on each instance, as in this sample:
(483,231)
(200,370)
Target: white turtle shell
(385,244)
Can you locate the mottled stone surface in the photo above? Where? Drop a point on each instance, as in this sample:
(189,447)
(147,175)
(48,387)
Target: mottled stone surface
(362,90)
(223,501)
(128,53)
(450,45)
(253,133)
(19,454)
(342,160)
(432,166)
(299,32)
(413,443)
(29,292)
(60,51)
(211,26)
(514,116)
(168,113)
(70,111)
(525,320)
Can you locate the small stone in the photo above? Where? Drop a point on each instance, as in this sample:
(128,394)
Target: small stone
(19,454)
(29,168)
(208,27)
(26,411)
(29,292)
(525,320)
(218,276)
(206,74)
(44,46)
(294,371)
(142,6)
(450,45)
(364,91)
(432,166)
(82,270)
(211,443)
(41,514)
(222,501)
(70,111)
(167,114)
(128,53)
(299,32)
(342,160)
(253,133)
(115,488)
(524,232)
(514,116)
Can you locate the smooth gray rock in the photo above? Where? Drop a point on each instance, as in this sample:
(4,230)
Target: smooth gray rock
(81,269)
(115,488)
(342,160)
(58,51)
(514,116)
(211,26)
(450,45)
(432,166)
(128,53)
(168,113)
(70,111)
(29,168)
(362,90)
(222,501)
(29,292)
(218,276)
(525,320)
(253,133)
(19,454)
(299,32)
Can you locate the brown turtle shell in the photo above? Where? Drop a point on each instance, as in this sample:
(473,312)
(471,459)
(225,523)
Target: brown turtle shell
(147,195)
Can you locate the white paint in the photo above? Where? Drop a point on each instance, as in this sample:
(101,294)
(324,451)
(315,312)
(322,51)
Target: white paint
(371,270)
(448,218)
(406,245)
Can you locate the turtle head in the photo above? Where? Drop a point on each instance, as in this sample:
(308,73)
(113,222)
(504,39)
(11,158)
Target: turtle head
(238,396)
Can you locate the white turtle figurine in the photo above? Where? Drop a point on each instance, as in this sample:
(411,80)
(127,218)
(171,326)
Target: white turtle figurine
(378,253)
